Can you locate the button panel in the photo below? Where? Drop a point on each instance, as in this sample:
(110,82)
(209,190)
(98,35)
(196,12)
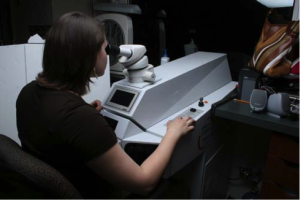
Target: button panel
(192,112)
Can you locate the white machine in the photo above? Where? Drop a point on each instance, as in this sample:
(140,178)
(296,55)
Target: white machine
(132,57)
(140,110)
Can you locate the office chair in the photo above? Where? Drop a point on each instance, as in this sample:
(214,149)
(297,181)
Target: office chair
(24,176)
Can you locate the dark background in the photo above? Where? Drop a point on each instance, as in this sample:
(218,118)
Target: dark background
(215,26)
(231,27)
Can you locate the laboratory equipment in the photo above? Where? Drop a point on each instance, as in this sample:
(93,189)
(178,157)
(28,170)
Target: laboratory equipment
(139,112)
(136,66)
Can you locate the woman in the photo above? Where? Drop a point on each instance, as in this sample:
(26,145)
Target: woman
(56,125)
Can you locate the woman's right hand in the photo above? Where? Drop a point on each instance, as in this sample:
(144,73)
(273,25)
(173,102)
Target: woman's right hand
(180,126)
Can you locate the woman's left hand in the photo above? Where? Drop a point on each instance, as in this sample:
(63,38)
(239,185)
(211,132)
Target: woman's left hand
(97,105)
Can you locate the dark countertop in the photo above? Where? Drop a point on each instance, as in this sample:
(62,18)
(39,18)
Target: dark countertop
(240,112)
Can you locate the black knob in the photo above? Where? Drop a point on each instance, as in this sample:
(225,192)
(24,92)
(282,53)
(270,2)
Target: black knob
(201,104)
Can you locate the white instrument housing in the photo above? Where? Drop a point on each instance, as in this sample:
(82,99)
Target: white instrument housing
(141,112)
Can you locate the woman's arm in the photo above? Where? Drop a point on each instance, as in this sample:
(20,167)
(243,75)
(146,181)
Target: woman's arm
(118,168)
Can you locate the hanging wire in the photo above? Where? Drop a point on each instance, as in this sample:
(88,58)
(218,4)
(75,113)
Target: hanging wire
(268,89)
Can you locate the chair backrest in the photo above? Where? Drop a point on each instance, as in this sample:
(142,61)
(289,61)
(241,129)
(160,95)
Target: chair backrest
(24,176)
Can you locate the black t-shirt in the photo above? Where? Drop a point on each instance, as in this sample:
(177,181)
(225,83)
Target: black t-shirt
(61,129)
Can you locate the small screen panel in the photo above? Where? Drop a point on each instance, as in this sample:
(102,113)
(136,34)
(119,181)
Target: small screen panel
(122,98)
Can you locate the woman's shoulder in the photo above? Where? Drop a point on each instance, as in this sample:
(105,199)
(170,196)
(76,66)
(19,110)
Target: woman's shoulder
(26,93)
(30,86)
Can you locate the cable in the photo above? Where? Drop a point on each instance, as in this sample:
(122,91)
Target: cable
(268,89)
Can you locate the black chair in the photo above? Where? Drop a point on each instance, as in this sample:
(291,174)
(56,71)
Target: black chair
(24,176)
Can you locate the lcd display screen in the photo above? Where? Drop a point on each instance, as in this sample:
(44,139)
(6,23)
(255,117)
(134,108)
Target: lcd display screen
(122,98)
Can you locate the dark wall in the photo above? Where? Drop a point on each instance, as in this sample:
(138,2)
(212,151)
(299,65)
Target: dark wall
(231,27)
(20,19)
(215,26)
(6,36)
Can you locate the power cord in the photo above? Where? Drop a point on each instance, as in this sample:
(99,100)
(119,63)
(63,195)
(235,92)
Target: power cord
(269,89)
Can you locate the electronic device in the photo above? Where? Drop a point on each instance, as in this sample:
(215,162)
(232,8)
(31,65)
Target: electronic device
(118,31)
(279,105)
(139,110)
(258,100)
(136,66)
(248,80)
(142,109)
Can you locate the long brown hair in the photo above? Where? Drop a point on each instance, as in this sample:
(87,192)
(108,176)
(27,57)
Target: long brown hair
(70,53)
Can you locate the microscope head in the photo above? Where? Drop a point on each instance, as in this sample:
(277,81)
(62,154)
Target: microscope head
(131,56)
(137,68)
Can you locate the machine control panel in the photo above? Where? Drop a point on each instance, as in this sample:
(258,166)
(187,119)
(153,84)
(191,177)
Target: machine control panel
(122,98)
(192,112)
